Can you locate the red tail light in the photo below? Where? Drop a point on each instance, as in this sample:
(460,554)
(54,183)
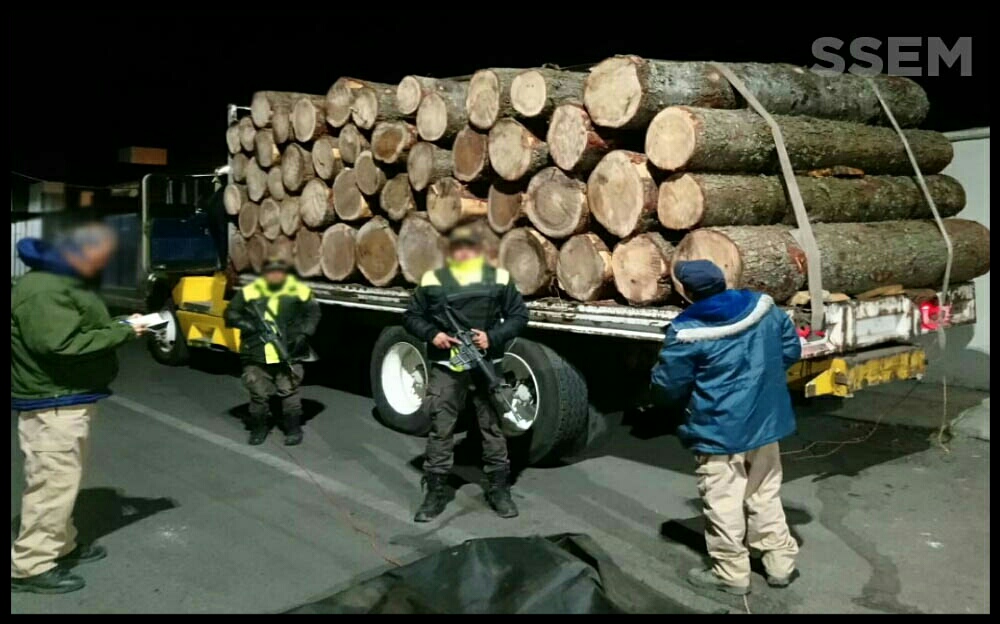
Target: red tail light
(933,315)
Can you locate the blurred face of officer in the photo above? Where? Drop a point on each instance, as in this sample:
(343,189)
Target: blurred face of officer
(275,277)
(90,259)
(460,252)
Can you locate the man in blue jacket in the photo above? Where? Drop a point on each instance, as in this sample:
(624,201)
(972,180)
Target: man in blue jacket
(724,359)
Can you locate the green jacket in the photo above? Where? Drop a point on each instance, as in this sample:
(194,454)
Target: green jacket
(62,339)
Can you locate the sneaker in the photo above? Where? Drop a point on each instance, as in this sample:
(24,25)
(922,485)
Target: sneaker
(708,579)
(83,553)
(55,581)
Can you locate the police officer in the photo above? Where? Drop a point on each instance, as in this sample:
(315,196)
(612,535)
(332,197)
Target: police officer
(275,314)
(486,299)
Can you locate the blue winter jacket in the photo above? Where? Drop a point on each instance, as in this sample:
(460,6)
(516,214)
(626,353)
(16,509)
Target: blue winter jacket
(725,358)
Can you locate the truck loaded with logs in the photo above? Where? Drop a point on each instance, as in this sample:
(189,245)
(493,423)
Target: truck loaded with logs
(587,187)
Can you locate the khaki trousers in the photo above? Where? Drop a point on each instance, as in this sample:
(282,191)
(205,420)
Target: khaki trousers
(739,494)
(54,443)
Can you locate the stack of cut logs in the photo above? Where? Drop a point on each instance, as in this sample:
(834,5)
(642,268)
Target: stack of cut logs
(591,185)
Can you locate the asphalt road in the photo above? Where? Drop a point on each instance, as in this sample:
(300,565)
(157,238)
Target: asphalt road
(196,521)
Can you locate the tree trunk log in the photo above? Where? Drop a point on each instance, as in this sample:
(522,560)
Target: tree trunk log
(316,205)
(488,96)
(397,198)
(856,257)
(247,134)
(264,103)
(373,103)
(308,119)
(392,140)
(233,198)
(442,111)
(420,247)
(282,247)
(700,139)
(488,240)
(340,100)
(369,176)
(348,201)
(622,194)
(556,204)
(449,203)
(692,200)
(628,91)
(352,143)
(257,250)
(238,167)
(376,252)
(573,142)
(270,218)
(505,206)
(471,156)
(641,266)
(265,149)
(275,183)
(514,151)
(281,125)
(584,267)
(338,257)
(238,253)
(326,157)
(249,219)
(535,93)
(413,89)
(308,253)
(256,181)
(296,167)
(233,139)
(531,260)
(427,163)
(291,216)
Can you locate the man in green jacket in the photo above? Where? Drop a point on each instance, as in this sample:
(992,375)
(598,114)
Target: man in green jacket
(62,343)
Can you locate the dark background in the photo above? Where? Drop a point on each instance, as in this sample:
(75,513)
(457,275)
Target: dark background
(84,84)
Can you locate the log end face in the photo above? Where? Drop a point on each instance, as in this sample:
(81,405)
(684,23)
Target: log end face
(337,252)
(584,267)
(529,93)
(557,204)
(409,92)
(503,207)
(338,102)
(396,198)
(641,268)
(510,151)
(303,117)
(364,108)
(419,165)
(348,202)
(529,258)
(681,203)
(471,152)
(567,136)
(260,109)
(617,191)
(671,138)
(482,101)
(612,92)
(432,117)
(712,245)
(444,203)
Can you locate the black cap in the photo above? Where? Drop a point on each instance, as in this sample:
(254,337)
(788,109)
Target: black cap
(464,236)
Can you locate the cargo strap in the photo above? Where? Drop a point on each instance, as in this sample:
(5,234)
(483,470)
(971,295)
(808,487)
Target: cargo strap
(922,183)
(804,235)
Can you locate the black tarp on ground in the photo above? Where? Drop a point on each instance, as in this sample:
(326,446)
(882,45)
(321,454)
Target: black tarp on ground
(558,574)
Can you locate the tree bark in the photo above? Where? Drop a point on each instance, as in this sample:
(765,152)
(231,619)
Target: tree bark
(249,219)
(275,184)
(265,149)
(628,91)
(442,111)
(238,253)
(291,216)
(622,194)
(692,200)
(233,139)
(282,247)
(700,139)
(348,201)
(296,167)
(584,267)
(308,119)
(392,140)
(256,181)
(397,198)
(233,198)
(574,143)
(855,257)
(247,134)
(427,163)
(471,155)
(556,204)
(264,103)
(535,93)
(420,247)
(270,218)
(373,103)
(449,203)
(641,267)
(514,151)
(308,254)
(531,260)
(257,250)
(488,96)
(352,143)
(281,125)
(369,176)
(338,257)
(376,252)
(238,167)
(326,157)
(316,204)
(505,206)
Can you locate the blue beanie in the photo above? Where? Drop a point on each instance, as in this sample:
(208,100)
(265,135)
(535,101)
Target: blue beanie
(700,278)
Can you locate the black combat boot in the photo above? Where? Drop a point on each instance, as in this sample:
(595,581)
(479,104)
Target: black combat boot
(498,494)
(258,433)
(293,430)
(436,498)
(58,580)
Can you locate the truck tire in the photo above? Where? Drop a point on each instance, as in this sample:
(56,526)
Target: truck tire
(399,370)
(169,347)
(563,407)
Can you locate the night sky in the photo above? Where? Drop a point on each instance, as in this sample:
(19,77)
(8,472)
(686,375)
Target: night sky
(85,84)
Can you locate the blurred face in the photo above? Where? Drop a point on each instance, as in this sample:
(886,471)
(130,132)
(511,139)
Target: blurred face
(461,253)
(91,260)
(275,277)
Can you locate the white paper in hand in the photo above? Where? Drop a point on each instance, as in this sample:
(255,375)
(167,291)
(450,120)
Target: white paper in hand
(152,321)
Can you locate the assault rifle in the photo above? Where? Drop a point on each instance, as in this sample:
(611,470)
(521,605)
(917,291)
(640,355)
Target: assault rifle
(269,333)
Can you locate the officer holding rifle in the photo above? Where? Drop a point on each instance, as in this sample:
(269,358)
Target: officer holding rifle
(458,309)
